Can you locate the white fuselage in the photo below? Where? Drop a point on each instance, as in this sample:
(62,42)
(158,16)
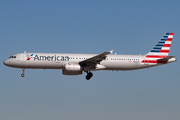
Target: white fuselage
(58,60)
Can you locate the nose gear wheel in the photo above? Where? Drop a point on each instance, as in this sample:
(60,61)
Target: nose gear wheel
(22,75)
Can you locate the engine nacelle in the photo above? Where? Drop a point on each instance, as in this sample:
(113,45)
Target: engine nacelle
(72,69)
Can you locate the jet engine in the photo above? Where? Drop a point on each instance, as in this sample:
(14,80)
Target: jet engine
(72,69)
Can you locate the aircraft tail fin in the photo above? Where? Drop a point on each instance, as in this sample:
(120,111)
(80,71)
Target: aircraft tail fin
(162,48)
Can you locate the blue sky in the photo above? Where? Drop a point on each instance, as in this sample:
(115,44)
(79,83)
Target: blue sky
(68,26)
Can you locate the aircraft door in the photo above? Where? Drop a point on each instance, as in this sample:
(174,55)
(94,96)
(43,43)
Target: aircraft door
(23,57)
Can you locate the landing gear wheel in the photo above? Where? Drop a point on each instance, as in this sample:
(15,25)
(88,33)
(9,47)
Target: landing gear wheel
(89,75)
(22,75)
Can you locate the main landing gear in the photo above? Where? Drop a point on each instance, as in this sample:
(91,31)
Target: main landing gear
(89,75)
(22,75)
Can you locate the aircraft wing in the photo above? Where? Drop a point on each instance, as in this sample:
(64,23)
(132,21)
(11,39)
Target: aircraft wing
(165,59)
(96,59)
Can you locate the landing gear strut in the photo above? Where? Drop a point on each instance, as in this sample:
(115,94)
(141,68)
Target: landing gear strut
(89,75)
(22,75)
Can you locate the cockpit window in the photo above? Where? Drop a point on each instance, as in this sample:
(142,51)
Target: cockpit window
(12,57)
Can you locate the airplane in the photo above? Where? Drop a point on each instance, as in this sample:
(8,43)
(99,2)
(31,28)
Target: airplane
(75,64)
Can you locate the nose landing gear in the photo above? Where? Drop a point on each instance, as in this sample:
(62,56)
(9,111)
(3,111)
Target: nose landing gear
(22,75)
(89,75)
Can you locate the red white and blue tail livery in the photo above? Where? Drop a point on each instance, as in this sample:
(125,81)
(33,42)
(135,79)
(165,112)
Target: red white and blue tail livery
(160,50)
(75,64)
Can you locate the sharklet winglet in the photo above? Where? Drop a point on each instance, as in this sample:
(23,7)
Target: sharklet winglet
(111,51)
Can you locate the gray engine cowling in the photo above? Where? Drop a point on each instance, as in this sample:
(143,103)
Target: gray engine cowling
(72,69)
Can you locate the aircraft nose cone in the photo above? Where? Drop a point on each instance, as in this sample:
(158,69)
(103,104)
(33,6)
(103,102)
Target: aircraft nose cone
(6,62)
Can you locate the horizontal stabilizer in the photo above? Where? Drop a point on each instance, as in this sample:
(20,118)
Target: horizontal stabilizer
(165,59)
